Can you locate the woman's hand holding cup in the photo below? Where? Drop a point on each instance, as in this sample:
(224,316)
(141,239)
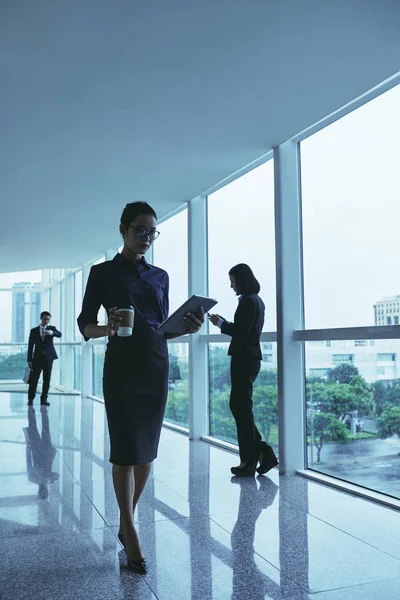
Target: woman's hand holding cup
(113,322)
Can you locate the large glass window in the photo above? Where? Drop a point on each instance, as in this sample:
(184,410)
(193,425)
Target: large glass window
(350,175)
(241,230)
(78,292)
(20,305)
(353,413)
(99,351)
(177,410)
(265,395)
(171,254)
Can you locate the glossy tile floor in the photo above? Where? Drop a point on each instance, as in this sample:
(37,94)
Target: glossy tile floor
(204,536)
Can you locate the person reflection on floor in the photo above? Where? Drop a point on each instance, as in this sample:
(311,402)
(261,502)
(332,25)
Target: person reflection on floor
(248,580)
(40,452)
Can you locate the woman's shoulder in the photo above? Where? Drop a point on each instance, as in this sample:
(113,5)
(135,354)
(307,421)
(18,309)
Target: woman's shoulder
(253,299)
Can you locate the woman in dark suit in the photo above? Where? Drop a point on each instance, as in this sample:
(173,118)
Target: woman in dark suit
(245,352)
(135,379)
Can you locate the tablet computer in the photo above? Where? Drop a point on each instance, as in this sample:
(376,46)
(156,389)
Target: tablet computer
(174,323)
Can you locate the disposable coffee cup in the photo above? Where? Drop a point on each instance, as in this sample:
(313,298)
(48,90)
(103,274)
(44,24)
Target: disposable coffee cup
(126,323)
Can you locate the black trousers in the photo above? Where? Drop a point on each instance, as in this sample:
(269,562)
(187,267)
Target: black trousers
(244,371)
(39,365)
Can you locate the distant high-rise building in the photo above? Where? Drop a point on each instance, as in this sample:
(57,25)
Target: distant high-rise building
(26,300)
(387,311)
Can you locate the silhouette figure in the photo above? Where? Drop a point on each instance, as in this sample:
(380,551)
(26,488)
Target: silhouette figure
(248,580)
(40,452)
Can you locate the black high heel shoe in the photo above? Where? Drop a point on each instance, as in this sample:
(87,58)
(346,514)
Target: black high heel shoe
(246,471)
(269,460)
(139,566)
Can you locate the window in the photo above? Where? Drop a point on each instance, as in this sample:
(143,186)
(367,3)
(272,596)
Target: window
(268,358)
(360,343)
(328,343)
(241,230)
(396,320)
(177,409)
(337,443)
(347,193)
(241,216)
(388,320)
(171,254)
(265,398)
(78,301)
(338,359)
(386,357)
(20,304)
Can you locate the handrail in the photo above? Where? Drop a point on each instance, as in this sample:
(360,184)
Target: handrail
(378,332)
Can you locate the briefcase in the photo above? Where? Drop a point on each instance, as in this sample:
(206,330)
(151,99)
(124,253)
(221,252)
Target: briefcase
(27,375)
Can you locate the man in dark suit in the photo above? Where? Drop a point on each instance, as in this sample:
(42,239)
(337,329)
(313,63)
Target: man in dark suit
(41,354)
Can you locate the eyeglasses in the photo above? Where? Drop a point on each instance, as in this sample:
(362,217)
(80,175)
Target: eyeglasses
(143,232)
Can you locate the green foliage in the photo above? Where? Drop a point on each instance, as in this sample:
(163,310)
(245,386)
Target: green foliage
(344,392)
(174,370)
(265,399)
(219,368)
(177,409)
(326,427)
(340,399)
(343,373)
(13,366)
(386,395)
(389,422)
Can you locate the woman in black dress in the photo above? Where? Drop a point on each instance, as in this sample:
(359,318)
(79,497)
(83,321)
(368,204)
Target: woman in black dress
(245,352)
(135,379)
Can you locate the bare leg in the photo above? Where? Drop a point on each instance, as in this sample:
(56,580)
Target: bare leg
(141,474)
(124,490)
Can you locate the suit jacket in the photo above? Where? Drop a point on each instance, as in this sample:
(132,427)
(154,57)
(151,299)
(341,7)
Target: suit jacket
(246,328)
(37,348)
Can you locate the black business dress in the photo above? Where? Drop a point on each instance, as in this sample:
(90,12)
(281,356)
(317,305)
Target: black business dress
(245,352)
(135,378)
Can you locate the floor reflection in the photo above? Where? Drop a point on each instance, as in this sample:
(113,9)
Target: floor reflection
(40,452)
(205,536)
(254,498)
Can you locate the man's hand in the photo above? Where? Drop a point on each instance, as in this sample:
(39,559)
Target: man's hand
(48,332)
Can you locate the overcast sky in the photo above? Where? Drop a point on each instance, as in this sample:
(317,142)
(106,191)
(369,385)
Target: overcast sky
(351,215)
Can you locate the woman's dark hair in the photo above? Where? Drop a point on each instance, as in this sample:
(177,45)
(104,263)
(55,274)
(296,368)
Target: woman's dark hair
(245,281)
(133,210)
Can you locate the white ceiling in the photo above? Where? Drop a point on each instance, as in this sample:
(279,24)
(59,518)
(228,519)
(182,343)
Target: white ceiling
(106,102)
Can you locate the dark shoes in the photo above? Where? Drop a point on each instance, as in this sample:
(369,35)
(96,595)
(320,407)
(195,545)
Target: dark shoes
(139,566)
(43,401)
(269,460)
(246,471)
